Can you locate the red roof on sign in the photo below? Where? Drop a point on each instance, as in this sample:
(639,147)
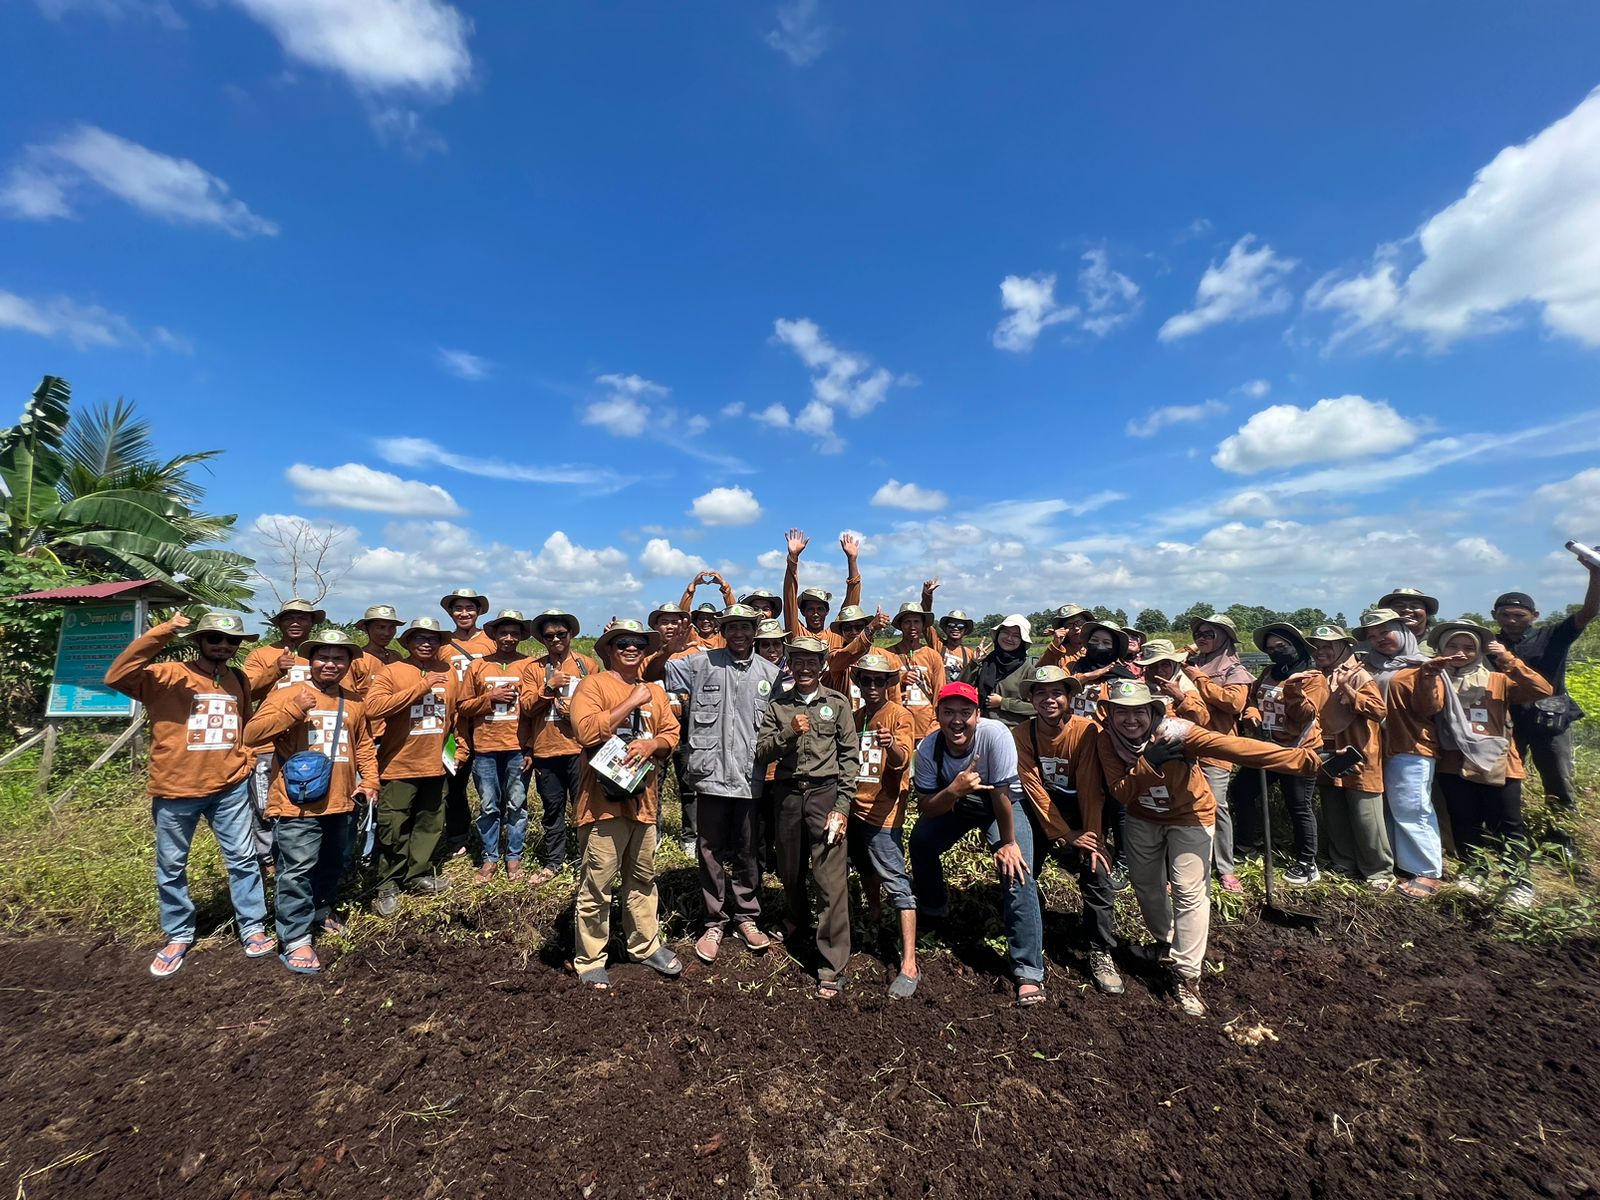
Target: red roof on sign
(97,591)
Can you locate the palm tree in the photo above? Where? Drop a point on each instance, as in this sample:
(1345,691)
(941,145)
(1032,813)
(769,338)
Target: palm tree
(88,491)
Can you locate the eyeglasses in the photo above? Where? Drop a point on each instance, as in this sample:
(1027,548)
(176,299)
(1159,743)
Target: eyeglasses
(218,639)
(549,634)
(630,643)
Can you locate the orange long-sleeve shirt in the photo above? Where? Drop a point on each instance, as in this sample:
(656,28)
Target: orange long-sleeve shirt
(461,652)
(1064,755)
(1287,712)
(418,715)
(368,663)
(1223,704)
(655,671)
(1415,698)
(1364,732)
(921,679)
(1515,683)
(592,703)
(882,789)
(262,670)
(792,619)
(281,724)
(197,714)
(547,724)
(494,725)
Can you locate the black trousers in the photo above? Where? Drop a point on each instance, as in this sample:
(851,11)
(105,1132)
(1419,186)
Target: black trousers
(457,808)
(1098,924)
(1551,756)
(1485,816)
(1298,792)
(556,779)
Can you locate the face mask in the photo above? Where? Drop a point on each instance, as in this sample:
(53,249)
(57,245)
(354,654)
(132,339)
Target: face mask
(1284,657)
(1096,657)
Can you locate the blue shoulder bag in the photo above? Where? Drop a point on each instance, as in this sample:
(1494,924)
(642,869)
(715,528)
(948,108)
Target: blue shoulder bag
(308,774)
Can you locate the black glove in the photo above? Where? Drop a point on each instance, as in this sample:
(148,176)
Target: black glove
(1159,753)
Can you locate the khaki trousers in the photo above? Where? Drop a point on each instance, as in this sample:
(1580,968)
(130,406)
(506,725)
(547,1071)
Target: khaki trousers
(1354,834)
(608,849)
(1179,855)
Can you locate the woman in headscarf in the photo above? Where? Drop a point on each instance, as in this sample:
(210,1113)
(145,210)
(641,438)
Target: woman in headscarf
(1479,767)
(1413,697)
(1130,660)
(998,674)
(1283,706)
(1104,647)
(1148,762)
(1220,677)
(1353,833)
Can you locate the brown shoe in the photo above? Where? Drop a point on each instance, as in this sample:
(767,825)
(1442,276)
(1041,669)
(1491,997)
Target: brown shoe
(514,870)
(754,940)
(708,945)
(486,872)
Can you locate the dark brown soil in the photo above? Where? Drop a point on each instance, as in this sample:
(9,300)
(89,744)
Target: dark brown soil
(1417,1059)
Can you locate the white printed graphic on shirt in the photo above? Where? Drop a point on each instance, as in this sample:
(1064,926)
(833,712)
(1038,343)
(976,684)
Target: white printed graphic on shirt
(1086,702)
(1479,717)
(551,716)
(461,662)
(320,733)
(914,685)
(213,722)
(427,714)
(1274,713)
(1157,799)
(1057,774)
(503,710)
(872,759)
(299,673)
(855,697)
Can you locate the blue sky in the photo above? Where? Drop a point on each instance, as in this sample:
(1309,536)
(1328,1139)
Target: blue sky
(1058,302)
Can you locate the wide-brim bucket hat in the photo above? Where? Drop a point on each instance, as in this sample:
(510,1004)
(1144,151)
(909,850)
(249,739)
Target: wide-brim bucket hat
(1427,601)
(422,625)
(1158,650)
(477,598)
(555,614)
(332,639)
(509,616)
(379,612)
(302,607)
(669,609)
(1330,633)
(1375,618)
(227,624)
(910,609)
(766,596)
(1119,639)
(738,612)
(602,644)
(1284,630)
(1220,620)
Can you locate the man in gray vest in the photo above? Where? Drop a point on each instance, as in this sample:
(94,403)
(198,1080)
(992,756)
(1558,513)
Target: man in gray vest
(726,694)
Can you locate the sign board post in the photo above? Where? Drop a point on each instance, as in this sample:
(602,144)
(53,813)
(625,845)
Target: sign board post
(92,635)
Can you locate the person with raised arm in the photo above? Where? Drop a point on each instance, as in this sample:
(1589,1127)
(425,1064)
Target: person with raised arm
(1068,628)
(921,666)
(949,635)
(464,644)
(1356,841)
(807,612)
(703,620)
(280,664)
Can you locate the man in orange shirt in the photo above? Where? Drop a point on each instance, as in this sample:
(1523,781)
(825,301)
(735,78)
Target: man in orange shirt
(921,667)
(548,685)
(379,624)
(198,768)
(464,645)
(416,700)
(807,611)
(280,664)
(1067,630)
(491,702)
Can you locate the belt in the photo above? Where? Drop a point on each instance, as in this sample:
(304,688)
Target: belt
(807,783)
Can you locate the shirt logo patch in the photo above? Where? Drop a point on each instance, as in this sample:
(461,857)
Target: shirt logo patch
(763,687)
(827,712)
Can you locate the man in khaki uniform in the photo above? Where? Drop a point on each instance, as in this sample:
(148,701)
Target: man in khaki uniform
(808,730)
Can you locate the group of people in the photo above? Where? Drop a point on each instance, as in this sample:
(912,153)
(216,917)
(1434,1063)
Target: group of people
(800,745)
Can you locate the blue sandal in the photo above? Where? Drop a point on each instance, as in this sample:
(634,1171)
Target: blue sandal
(165,965)
(314,967)
(259,944)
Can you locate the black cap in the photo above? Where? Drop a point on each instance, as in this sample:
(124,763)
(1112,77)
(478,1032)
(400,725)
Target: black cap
(1516,599)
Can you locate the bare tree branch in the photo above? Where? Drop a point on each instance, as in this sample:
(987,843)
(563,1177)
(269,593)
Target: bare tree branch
(307,558)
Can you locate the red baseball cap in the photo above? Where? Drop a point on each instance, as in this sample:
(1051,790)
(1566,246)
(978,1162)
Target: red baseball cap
(957,691)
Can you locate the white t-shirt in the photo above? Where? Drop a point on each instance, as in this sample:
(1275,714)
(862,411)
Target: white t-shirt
(997,766)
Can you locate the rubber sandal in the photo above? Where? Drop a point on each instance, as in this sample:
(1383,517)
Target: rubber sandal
(165,965)
(828,989)
(259,944)
(332,925)
(664,962)
(1031,998)
(596,979)
(903,987)
(1421,887)
(314,967)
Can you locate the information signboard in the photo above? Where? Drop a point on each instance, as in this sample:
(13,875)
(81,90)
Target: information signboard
(92,635)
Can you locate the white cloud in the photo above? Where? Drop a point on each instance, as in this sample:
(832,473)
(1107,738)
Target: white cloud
(1526,232)
(160,11)
(631,385)
(660,558)
(360,487)
(420,452)
(1256,389)
(1248,283)
(1335,428)
(621,415)
(726,506)
(463,365)
(403,126)
(1094,502)
(839,379)
(1108,299)
(1575,503)
(40,186)
(1174,414)
(801,36)
(85,326)
(895,494)
(696,425)
(775,415)
(378,45)
(736,409)
(772,560)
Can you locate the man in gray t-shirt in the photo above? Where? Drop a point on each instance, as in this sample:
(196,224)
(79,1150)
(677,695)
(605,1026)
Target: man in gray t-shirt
(726,694)
(966,773)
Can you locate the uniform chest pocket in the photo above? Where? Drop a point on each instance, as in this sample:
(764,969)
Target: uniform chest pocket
(824,727)
(703,729)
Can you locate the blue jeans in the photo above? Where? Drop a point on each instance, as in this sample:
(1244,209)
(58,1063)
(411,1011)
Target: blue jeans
(310,858)
(1019,903)
(876,852)
(503,792)
(1413,824)
(232,819)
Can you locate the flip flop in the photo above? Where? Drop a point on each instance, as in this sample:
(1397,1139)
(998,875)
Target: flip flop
(1032,998)
(302,967)
(259,944)
(1422,887)
(828,989)
(664,962)
(597,979)
(903,987)
(166,965)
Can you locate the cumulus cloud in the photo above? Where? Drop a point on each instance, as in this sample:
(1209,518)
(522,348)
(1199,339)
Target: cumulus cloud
(895,494)
(1248,283)
(462,365)
(1107,300)
(377,45)
(1526,232)
(1256,389)
(1335,428)
(48,177)
(1174,414)
(364,489)
(726,506)
(1575,505)
(840,380)
(660,558)
(800,35)
(623,410)
(775,415)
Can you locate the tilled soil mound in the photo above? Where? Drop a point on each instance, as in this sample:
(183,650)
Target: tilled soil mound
(1417,1059)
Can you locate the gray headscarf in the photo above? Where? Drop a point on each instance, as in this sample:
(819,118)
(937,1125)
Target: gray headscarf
(1385,667)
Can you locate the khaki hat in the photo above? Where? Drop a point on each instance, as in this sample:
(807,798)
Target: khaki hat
(1441,633)
(217,622)
(1329,633)
(956,617)
(771,631)
(1119,639)
(806,644)
(422,625)
(707,607)
(814,594)
(664,610)
(738,612)
(465,594)
(1067,611)
(1373,618)
(298,605)
(910,609)
(875,664)
(507,616)
(1284,630)
(1034,676)
(1219,620)
(1127,693)
(1158,650)
(1427,602)
(555,614)
(851,612)
(763,594)
(333,638)
(635,628)
(380,612)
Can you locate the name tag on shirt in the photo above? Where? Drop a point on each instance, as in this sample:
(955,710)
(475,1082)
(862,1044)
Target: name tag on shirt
(1479,717)
(1086,702)
(213,722)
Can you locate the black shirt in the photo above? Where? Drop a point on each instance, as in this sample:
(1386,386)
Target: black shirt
(1546,649)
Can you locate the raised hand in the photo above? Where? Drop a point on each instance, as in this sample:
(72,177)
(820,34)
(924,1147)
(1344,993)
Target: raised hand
(306,699)
(879,621)
(640,696)
(180,620)
(797,541)
(969,780)
(931,585)
(850,544)
(286,660)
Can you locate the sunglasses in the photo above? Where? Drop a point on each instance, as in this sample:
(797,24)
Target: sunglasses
(1205,634)
(218,639)
(630,643)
